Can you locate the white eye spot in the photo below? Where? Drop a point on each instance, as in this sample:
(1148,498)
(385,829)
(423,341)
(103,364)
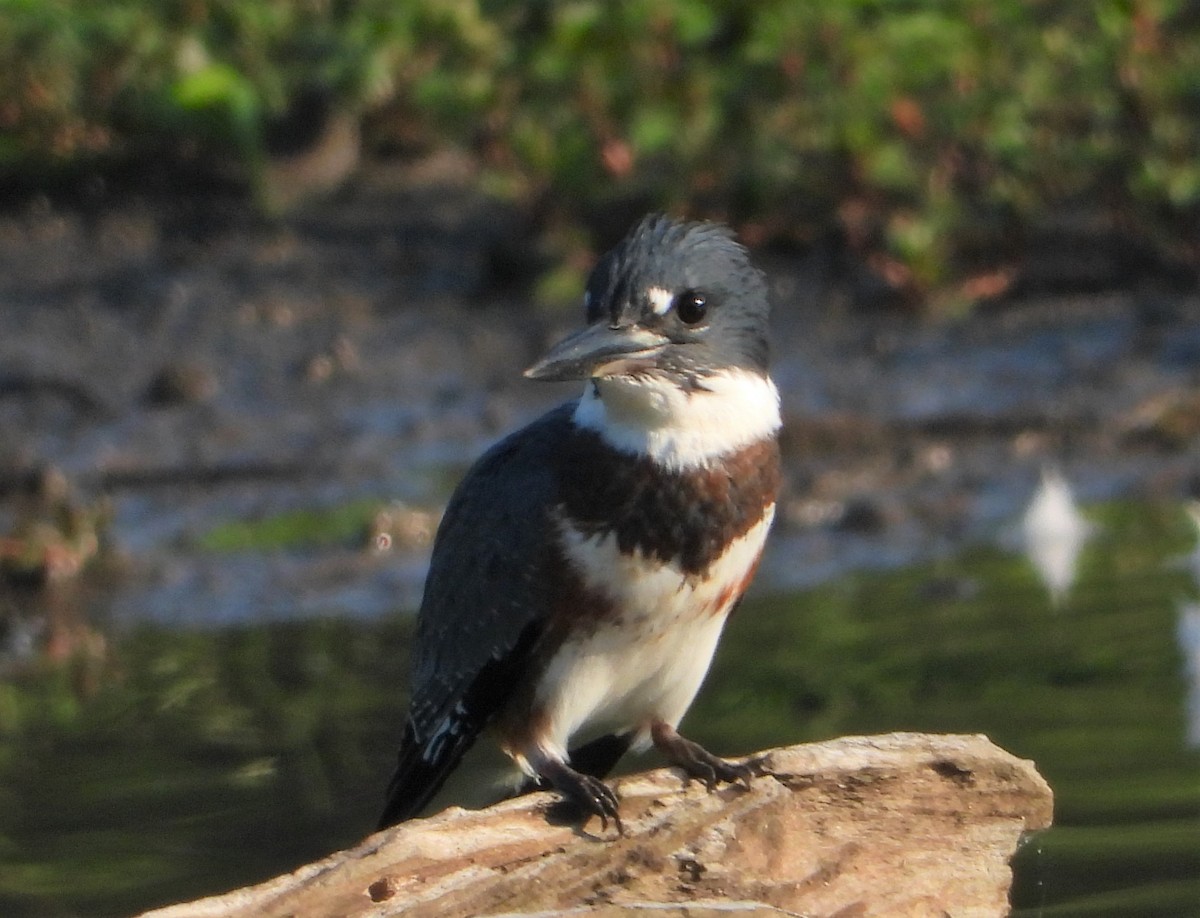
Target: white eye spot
(660,299)
(587,300)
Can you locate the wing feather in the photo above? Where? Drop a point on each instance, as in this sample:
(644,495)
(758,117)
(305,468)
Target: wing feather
(484,604)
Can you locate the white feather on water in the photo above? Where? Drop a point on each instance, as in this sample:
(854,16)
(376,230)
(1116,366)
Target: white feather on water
(1055,533)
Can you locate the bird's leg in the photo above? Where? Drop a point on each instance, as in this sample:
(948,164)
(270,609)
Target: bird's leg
(597,757)
(697,761)
(588,793)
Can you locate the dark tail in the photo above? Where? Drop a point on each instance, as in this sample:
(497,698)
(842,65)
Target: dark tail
(601,755)
(424,766)
(421,770)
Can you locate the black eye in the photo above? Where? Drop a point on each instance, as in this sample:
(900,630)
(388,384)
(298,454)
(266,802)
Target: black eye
(691,306)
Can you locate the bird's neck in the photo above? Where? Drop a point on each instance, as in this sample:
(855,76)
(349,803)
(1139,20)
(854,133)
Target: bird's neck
(681,428)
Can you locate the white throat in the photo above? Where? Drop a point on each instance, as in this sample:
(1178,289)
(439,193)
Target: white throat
(651,416)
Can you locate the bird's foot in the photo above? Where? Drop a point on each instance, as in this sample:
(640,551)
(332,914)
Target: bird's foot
(698,762)
(585,793)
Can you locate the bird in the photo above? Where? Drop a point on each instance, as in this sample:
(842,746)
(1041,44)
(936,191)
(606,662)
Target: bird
(586,565)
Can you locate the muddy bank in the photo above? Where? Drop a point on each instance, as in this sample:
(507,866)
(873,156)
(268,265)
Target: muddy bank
(196,364)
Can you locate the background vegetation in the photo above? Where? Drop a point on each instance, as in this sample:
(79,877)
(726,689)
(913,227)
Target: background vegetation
(934,134)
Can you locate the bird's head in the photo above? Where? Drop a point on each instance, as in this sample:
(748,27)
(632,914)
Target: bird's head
(674,300)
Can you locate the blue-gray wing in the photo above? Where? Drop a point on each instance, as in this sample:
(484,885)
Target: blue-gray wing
(483,609)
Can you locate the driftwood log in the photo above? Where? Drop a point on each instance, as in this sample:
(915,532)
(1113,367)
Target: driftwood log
(903,824)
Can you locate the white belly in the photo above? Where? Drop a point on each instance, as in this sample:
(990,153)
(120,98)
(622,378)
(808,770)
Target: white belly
(648,665)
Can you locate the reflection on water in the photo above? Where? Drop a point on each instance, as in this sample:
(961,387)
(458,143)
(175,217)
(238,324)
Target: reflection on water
(1189,643)
(187,761)
(1055,533)
(1189,636)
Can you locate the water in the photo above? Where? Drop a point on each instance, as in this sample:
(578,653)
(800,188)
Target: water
(144,762)
(226,705)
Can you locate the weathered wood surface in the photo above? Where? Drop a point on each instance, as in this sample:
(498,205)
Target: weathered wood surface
(902,824)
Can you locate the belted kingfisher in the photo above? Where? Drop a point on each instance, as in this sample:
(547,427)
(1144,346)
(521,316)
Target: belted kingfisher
(586,565)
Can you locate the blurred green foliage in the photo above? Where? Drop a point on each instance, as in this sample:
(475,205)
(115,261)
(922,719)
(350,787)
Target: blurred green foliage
(932,130)
(342,525)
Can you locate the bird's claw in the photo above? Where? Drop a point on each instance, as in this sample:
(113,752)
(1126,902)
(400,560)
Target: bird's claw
(712,770)
(599,799)
(586,793)
(700,764)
